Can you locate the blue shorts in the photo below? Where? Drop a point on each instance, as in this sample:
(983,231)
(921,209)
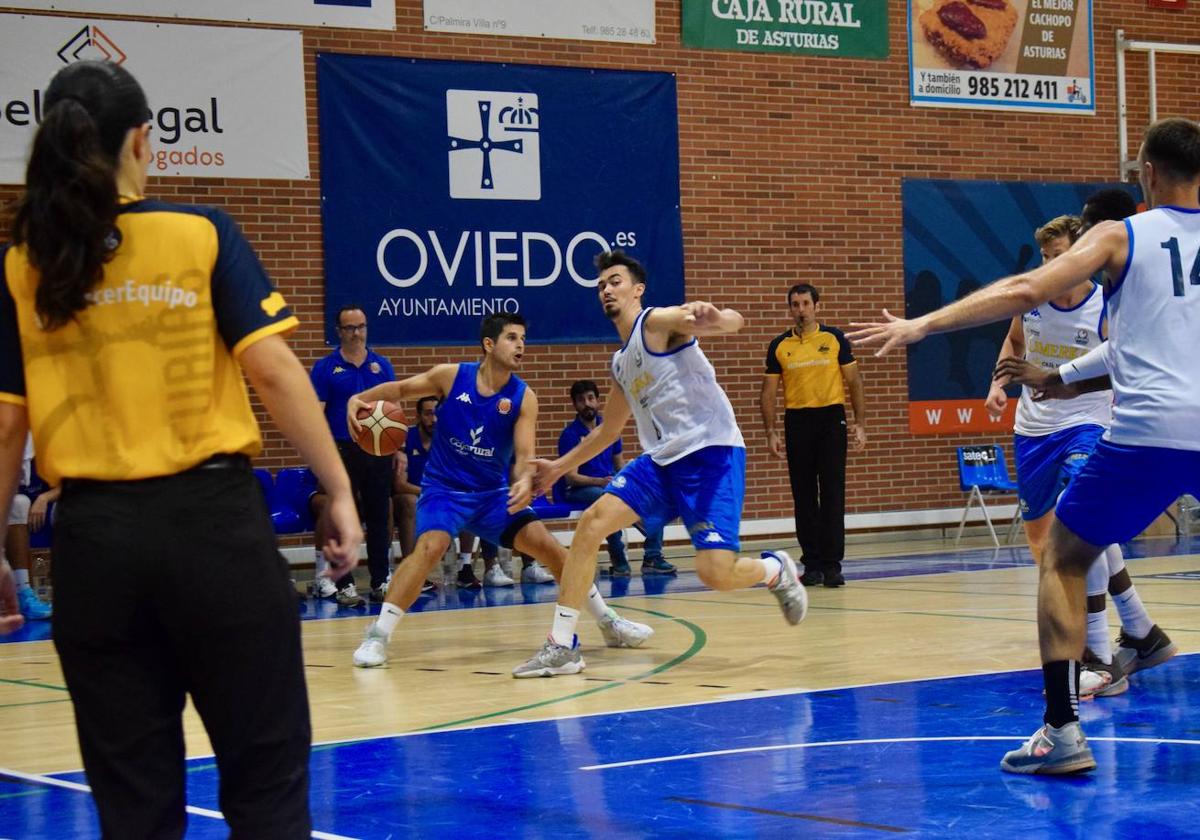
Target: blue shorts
(1122,489)
(705,489)
(1047,463)
(485,514)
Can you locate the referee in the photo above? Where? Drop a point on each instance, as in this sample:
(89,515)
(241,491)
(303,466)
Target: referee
(125,326)
(817,368)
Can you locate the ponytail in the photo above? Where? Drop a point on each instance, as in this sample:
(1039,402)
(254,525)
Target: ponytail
(67,216)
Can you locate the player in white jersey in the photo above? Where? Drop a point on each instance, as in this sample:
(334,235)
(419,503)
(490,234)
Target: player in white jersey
(693,461)
(1151,453)
(1054,437)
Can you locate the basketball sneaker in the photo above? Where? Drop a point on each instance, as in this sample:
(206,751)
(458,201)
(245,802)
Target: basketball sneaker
(348,596)
(467,580)
(621,632)
(621,569)
(428,587)
(535,572)
(372,652)
(377,594)
(1099,680)
(787,589)
(552,660)
(31,606)
(495,577)
(1136,654)
(1052,751)
(658,566)
(322,587)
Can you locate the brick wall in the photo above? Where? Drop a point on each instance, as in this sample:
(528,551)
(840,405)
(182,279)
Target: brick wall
(790,170)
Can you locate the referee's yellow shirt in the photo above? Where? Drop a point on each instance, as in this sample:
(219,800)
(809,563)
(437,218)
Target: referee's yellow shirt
(811,366)
(145,381)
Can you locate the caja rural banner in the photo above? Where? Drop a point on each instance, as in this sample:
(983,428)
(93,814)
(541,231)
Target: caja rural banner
(842,28)
(227,103)
(452,190)
(1027,55)
(630,21)
(355,14)
(958,237)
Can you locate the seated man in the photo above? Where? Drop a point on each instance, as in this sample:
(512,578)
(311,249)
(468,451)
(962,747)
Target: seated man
(586,484)
(16,540)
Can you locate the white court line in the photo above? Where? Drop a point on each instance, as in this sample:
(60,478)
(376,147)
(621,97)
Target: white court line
(803,746)
(80,788)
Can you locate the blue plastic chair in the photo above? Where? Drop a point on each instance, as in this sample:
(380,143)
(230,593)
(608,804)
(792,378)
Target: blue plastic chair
(290,513)
(982,469)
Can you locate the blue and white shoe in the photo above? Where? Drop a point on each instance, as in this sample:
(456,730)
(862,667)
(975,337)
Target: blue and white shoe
(1052,751)
(787,589)
(33,607)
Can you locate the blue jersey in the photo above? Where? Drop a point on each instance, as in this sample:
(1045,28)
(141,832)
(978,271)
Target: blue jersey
(473,439)
(336,380)
(417,454)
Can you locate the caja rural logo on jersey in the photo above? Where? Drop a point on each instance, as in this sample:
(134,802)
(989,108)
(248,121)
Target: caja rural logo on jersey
(493,142)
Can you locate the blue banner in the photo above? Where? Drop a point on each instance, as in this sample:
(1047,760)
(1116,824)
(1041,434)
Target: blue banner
(452,190)
(958,237)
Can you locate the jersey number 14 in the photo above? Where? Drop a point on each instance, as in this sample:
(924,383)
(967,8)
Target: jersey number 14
(1172,246)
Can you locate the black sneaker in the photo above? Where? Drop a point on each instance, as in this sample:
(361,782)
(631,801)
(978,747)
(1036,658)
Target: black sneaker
(812,578)
(620,569)
(377,594)
(833,580)
(658,566)
(467,579)
(1134,654)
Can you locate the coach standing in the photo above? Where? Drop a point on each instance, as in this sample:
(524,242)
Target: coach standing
(351,369)
(817,368)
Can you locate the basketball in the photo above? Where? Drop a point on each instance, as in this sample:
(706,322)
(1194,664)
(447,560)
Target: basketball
(383,428)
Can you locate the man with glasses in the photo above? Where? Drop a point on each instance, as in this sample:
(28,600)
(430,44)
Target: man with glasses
(351,369)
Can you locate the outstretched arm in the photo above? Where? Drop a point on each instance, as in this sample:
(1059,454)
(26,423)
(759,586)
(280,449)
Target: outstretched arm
(676,325)
(616,415)
(437,381)
(1103,247)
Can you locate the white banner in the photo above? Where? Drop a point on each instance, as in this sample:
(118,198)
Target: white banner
(349,14)
(631,21)
(228,103)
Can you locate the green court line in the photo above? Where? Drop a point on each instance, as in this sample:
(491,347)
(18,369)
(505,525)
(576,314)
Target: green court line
(33,703)
(32,684)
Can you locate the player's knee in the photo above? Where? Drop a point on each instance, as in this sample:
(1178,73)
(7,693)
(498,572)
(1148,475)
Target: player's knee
(18,513)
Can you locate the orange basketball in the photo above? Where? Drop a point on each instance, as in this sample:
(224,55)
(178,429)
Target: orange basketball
(383,428)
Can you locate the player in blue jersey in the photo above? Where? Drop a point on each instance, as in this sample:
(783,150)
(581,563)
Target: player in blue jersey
(486,416)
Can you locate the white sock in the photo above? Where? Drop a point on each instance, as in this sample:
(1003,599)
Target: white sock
(1114,558)
(562,632)
(595,603)
(464,560)
(771,569)
(389,617)
(319,562)
(21,576)
(1097,636)
(1134,618)
(1097,577)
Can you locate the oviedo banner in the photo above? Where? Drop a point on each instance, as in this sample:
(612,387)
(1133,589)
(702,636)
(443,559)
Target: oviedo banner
(843,28)
(453,190)
(958,237)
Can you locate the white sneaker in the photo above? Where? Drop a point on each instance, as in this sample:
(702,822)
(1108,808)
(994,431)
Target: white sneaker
(551,661)
(495,577)
(787,589)
(535,572)
(1099,680)
(505,555)
(621,632)
(322,587)
(348,596)
(373,651)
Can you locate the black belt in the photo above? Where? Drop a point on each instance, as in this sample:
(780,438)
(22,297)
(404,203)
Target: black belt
(220,461)
(224,461)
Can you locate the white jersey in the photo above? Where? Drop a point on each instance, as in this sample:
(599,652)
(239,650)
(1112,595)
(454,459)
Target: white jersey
(675,398)
(1054,336)
(1154,327)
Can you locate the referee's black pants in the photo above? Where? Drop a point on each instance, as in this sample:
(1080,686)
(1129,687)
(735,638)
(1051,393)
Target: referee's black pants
(816,455)
(169,587)
(371,482)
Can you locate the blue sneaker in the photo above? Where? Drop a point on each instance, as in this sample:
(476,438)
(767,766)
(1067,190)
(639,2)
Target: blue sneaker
(33,607)
(657,566)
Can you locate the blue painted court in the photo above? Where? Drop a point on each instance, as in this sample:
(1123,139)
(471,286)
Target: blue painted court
(918,758)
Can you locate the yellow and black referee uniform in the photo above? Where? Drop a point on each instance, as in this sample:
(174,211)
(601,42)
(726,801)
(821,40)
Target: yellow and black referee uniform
(167,579)
(810,367)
